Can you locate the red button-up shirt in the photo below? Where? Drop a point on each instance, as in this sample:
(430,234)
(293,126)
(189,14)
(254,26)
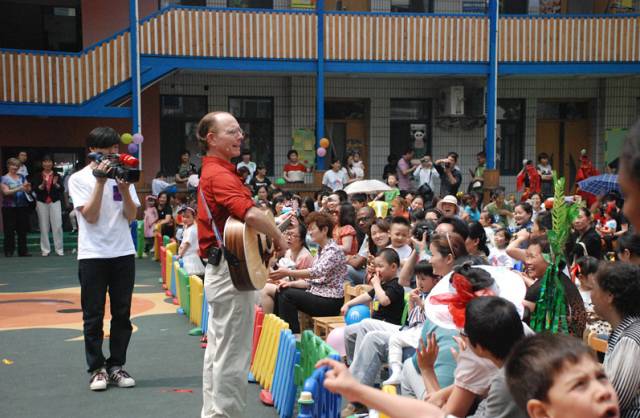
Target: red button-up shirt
(226,196)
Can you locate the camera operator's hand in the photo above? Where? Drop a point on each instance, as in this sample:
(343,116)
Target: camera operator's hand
(122,185)
(103,167)
(421,245)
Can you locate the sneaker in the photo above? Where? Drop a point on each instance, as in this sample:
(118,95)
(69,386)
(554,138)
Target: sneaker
(45,254)
(98,379)
(352,409)
(61,253)
(120,377)
(394,379)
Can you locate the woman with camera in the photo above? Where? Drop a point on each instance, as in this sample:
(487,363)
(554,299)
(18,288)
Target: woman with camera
(49,191)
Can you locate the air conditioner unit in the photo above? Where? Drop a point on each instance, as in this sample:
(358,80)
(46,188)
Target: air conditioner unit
(451,101)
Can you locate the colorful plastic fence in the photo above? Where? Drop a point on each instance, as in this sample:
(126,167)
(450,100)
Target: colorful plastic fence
(184,298)
(313,348)
(284,389)
(264,362)
(258,319)
(173,288)
(140,238)
(325,404)
(196,289)
(163,266)
(391,390)
(205,312)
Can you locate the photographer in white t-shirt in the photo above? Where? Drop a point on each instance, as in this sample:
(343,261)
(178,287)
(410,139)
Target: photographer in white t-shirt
(105,207)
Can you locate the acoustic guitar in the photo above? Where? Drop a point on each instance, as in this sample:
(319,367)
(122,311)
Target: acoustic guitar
(251,251)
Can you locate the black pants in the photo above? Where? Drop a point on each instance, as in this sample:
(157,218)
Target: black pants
(15,220)
(97,277)
(291,300)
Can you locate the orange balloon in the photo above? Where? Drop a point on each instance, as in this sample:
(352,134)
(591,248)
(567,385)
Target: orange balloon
(324,143)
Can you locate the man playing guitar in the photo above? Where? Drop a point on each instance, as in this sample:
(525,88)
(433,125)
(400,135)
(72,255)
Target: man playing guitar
(231,312)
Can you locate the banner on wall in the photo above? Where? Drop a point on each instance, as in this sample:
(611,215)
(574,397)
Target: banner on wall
(303,4)
(304,142)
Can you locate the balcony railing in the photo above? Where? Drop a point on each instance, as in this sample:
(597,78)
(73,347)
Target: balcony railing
(230,34)
(406,38)
(74,78)
(64,78)
(565,39)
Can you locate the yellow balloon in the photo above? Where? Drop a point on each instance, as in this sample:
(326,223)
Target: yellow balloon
(126,138)
(324,143)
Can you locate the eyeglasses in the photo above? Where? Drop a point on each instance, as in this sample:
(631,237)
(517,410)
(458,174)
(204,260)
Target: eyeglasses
(234,132)
(463,333)
(363,219)
(292,235)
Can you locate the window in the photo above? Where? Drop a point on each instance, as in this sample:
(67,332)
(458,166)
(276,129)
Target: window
(510,134)
(54,26)
(410,126)
(255,116)
(250,4)
(179,117)
(508,7)
(412,6)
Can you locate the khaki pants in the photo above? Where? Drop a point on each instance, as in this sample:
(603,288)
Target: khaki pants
(228,355)
(50,216)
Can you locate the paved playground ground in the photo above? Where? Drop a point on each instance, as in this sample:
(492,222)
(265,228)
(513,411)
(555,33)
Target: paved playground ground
(42,365)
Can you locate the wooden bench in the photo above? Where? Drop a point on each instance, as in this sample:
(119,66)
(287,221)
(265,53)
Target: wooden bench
(597,344)
(323,325)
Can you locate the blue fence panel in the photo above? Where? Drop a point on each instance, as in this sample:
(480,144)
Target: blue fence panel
(325,403)
(283,387)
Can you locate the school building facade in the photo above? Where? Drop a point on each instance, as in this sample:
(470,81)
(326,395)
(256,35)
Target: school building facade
(380,75)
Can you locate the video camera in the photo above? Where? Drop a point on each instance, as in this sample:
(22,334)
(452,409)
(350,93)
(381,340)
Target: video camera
(121,166)
(422,227)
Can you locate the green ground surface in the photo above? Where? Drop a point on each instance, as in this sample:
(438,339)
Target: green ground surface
(48,378)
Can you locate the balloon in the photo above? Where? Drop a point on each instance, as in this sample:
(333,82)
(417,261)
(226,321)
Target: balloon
(336,340)
(324,143)
(138,139)
(356,314)
(126,138)
(321,152)
(280,181)
(133,148)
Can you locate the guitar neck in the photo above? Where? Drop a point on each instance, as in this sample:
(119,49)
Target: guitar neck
(284,225)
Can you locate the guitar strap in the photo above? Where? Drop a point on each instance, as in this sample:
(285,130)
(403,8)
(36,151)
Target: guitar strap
(229,256)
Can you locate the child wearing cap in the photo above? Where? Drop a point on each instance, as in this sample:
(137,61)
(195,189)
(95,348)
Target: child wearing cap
(188,250)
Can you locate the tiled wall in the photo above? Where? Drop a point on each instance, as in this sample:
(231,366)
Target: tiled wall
(614,104)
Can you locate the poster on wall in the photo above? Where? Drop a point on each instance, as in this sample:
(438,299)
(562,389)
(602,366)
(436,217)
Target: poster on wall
(304,141)
(548,7)
(418,138)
